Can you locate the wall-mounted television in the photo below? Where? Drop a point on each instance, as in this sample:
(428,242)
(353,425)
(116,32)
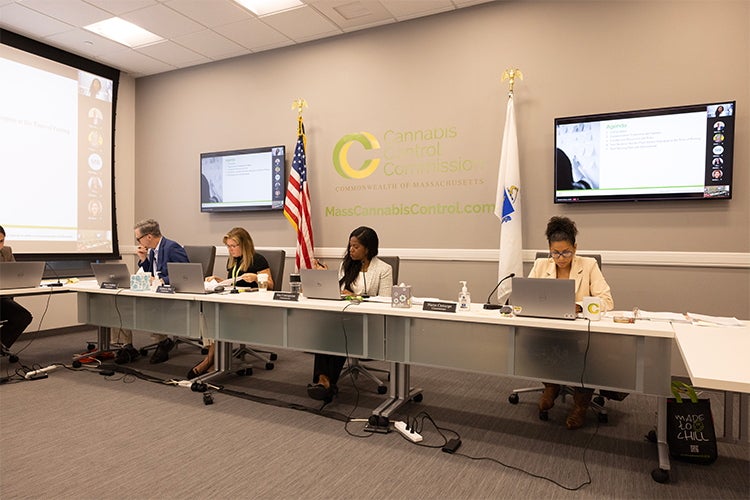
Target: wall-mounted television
(243,180)
(676,153)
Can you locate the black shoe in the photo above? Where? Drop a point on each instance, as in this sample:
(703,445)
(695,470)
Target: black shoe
(321,392)
(318,391)
(161,354)
(127,354)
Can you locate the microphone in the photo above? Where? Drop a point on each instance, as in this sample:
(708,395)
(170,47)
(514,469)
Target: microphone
(59,283)
(487,304)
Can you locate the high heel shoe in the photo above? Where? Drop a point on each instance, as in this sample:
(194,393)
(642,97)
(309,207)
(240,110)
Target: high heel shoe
(199,370)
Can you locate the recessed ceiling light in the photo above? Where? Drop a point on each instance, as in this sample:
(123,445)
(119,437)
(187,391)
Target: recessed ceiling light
(123,32)
(266,7)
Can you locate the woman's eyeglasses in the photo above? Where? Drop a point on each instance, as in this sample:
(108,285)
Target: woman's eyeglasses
(556,255)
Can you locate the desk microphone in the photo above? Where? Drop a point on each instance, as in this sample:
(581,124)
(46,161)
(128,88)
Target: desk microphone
(487,304)
(59,283)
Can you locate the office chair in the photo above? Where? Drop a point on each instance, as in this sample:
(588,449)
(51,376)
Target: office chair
(276,261)
(597,402)
(206,255)
(354,365)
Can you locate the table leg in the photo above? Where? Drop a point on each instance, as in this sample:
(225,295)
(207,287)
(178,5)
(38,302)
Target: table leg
(222,361)
(661,475)
(401,391)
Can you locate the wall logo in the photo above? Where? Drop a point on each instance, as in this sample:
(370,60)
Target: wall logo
(341,161)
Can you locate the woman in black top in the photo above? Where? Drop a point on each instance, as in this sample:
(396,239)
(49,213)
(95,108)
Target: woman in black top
(243,267)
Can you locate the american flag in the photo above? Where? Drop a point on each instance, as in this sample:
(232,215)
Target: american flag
(297,203)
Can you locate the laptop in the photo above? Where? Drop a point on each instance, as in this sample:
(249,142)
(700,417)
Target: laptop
(321,284)
(187,277)
(112,272)
(20,274)
(544,298)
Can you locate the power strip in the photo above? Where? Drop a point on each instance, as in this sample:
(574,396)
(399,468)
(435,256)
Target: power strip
(411,436)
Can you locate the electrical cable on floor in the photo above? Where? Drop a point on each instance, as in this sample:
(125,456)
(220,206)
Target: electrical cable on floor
(418,426)
(351,376)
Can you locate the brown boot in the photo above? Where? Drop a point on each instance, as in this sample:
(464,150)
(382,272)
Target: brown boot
(577,416)
(547,401)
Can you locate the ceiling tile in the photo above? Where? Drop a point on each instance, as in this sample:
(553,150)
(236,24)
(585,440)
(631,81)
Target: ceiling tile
(409,9)
(15,17)
(163,21)
(134,63)
(253,34)
(119,7)
(210,13)
(211,44)
(351,15)
(172,53)
(302,24)
(466,3)
(74,12)
(82,41)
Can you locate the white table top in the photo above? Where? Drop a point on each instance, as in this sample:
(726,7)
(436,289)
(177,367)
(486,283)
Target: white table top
(476,315)
(716,357)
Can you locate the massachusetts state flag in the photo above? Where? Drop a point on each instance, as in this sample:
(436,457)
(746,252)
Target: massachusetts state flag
(508,205)
(297,203)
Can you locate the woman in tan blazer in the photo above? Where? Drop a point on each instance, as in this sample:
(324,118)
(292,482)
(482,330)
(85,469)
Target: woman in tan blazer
(563,263)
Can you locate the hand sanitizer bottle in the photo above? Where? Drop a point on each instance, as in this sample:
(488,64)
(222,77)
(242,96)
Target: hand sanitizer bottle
(464,298)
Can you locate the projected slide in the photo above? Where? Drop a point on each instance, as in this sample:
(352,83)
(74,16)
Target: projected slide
(56,155)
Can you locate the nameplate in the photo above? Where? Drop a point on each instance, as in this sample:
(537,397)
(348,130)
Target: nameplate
(165,289)
(448,307)
(288,296)
(108,285)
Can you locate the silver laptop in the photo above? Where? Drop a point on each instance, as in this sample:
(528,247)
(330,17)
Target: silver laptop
(544,298)
(112,272)
(20,274)
(320,284)
(186,277)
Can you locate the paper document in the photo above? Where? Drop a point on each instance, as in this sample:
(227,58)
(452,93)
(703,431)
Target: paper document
(702,319)
(661,316)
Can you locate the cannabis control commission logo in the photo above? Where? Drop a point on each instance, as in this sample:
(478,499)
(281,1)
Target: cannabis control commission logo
(341,161)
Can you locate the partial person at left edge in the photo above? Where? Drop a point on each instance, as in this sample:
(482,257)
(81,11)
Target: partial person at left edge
(15,318)
(154,252)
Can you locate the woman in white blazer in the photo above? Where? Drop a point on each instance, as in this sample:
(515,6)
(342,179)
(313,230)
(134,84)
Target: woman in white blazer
(361,273)
(563,263)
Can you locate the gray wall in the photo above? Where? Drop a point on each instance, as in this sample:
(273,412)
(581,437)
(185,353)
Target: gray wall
(442,73)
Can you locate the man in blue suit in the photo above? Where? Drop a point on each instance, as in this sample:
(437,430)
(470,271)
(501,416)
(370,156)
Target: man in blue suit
(154,251)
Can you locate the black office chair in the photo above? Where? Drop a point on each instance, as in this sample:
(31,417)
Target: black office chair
(354,365)
(597,402)
(206,256)
(276,261)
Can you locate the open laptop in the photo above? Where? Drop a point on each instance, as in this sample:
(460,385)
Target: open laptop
(20,274)
(320,284)
(544,298)
(112,272)
(187,277)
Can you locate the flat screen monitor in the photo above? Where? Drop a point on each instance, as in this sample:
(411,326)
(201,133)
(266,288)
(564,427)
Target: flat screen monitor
(243,180)
(676,153)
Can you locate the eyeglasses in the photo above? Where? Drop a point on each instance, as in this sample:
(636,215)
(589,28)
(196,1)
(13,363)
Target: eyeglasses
(139,238)
(231,245)
(556,255)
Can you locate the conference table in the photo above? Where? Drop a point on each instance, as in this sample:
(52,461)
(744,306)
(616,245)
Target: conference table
(716,358)
(621,357)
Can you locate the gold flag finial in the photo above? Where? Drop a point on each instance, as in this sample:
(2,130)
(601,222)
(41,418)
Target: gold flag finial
(299,104)
(511,74)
